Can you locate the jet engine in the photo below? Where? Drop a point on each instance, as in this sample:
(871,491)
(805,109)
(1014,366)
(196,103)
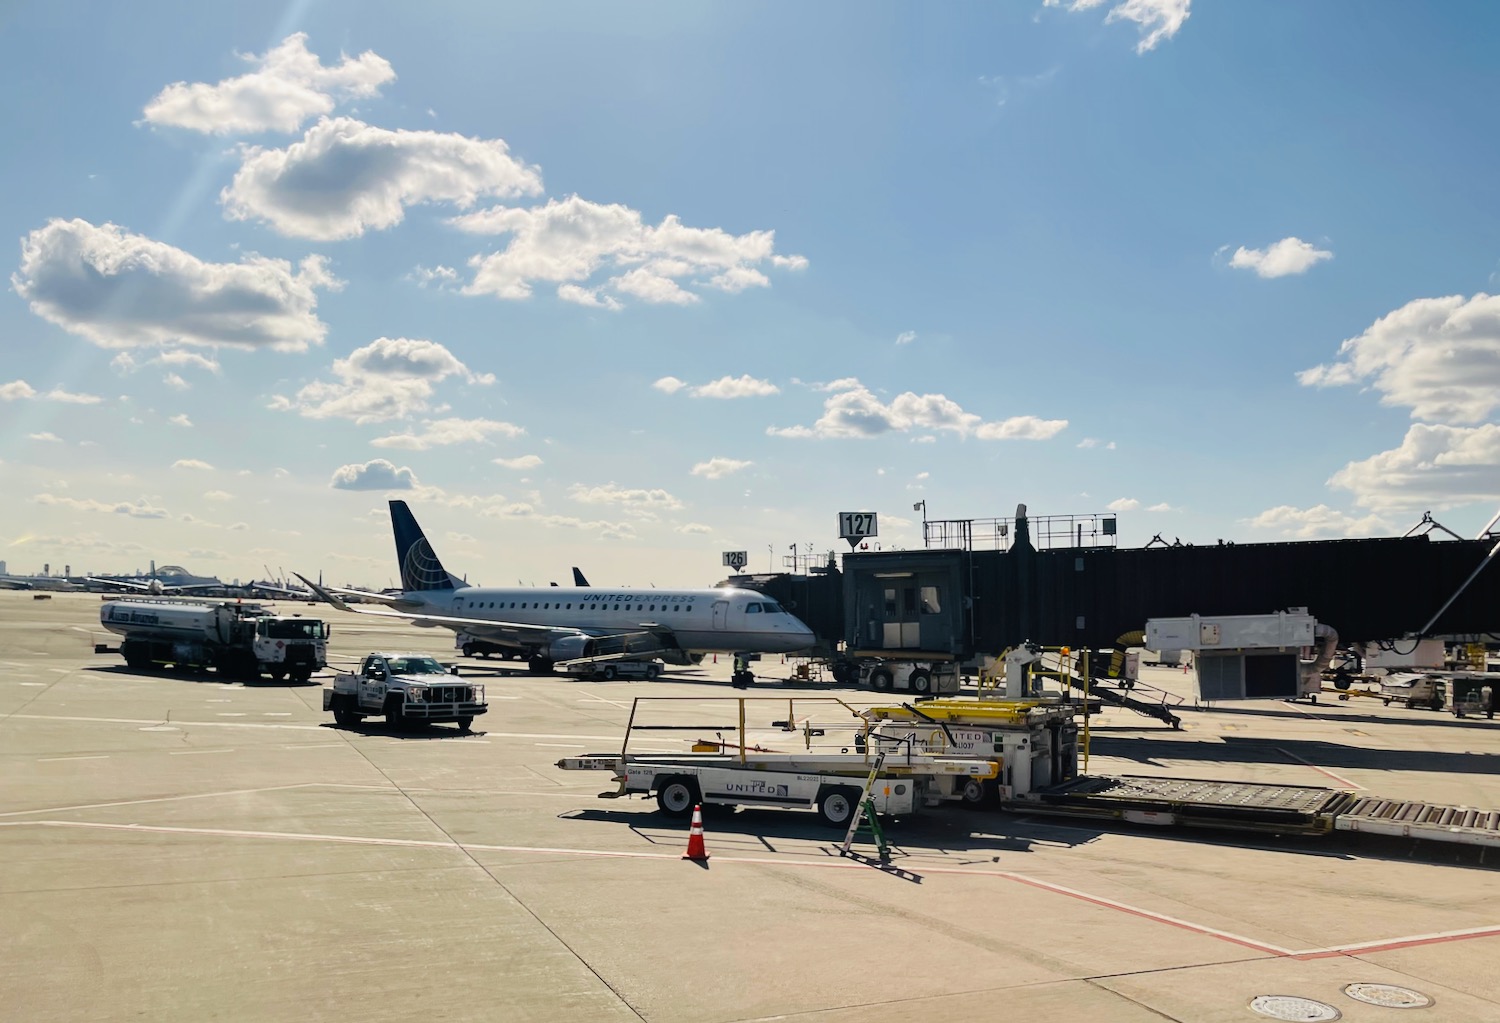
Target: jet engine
(571,648)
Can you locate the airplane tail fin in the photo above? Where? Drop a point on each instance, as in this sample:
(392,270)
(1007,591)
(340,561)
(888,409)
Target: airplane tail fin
(420,567)
(578,579)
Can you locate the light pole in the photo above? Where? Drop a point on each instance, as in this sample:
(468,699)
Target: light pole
(922,507)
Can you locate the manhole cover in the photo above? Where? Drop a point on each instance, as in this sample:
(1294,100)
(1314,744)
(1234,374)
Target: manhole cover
(1291,1007)
(1388,995)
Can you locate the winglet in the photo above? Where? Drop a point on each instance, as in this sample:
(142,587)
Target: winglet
(329,597)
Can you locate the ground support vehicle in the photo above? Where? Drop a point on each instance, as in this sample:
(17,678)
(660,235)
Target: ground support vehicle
(1472,693)
(406,689)
(1413,691)
(931,753)
(893,670)
(609,670)
(832,776)
(473,646)
(1036,742)
(236,639)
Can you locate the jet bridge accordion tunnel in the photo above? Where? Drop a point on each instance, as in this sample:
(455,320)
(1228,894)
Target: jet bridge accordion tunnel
(959,603)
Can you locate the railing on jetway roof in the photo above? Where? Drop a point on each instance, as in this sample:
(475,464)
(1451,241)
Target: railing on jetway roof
(1048,532)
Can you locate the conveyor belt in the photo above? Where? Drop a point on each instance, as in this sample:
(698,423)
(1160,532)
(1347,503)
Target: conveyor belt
(1192,802)
(1464,825)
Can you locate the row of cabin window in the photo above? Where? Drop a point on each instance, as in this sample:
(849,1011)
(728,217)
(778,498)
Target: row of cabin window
(591,607)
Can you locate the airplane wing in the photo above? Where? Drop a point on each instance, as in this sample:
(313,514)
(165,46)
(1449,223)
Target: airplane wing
(120,583)
(379,598)
(484,628)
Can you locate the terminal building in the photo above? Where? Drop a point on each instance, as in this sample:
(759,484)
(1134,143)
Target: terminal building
(983,586)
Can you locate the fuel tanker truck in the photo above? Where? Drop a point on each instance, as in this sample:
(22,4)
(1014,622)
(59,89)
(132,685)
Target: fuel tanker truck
(236,640)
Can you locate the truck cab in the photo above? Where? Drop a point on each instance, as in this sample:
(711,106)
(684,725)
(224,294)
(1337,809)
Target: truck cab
(405,688)
(291,645)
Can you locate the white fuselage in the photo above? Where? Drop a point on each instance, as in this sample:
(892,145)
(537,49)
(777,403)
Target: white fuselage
(703,621)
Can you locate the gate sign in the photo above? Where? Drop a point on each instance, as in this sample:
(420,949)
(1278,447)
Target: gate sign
(857,526)
(736,559)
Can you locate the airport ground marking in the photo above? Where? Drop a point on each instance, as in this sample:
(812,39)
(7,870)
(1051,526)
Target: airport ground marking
(1323,771)
(93,756)
(1267,948)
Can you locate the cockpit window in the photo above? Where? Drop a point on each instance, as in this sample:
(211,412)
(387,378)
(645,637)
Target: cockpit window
(770,607)
(752,608)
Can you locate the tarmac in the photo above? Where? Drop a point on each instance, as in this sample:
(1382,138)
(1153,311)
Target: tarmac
(178,848)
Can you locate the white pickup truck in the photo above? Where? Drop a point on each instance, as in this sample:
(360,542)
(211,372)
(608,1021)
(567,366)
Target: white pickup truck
(407,689)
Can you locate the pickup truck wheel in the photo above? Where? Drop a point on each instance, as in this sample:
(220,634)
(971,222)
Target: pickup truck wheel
(347,718)
(609,672)
(921,682)
(676,796)
(394,713)
(464,724)
(653,670)
(468,650)
(880,678)
(837,806)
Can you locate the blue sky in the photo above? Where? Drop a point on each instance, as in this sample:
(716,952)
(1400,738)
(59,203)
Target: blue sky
(628,286)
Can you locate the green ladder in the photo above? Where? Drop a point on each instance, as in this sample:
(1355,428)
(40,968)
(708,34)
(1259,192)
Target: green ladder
(864,823)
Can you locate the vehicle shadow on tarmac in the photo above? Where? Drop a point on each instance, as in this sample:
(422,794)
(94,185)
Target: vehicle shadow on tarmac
(412,732)
(1343,712)
(188,675)
(993,840)
(1233,749)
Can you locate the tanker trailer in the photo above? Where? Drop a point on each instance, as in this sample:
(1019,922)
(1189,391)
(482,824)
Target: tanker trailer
(236,640)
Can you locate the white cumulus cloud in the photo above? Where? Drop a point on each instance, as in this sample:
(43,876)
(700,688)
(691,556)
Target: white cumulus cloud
(191,463)
(139,509)
(288,86)
(634,499)
(521,462)
(376,474)
(20,390)
(717,468)
(122,290)
(568,242)
(906,337)
(669,385)
(1434,467)
(1320,520)
(744,386)
(346,177)
(853,410)
(1440,357)
(389,378)
(1288,256)
(445,432)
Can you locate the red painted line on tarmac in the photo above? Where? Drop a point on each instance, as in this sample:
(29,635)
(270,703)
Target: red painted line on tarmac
(1394,944)
(1365,948)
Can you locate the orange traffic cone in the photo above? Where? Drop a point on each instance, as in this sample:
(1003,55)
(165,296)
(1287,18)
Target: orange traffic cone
(696,851)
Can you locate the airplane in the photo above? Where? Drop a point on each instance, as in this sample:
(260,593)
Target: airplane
(156,588)
(562,623)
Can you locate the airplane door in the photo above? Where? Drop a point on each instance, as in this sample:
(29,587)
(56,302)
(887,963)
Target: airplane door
(721,614)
